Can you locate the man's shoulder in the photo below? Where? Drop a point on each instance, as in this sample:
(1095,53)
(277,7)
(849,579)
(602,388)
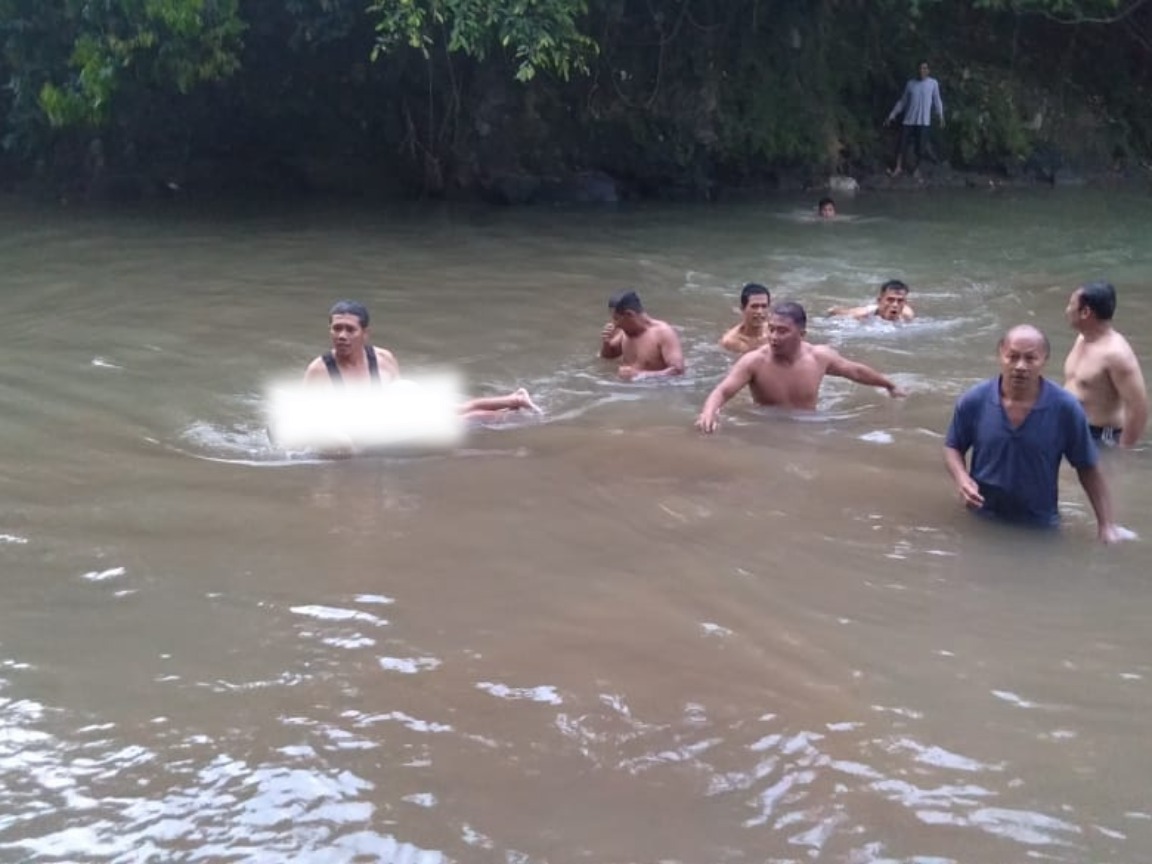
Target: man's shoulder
(1062,399)
(979,392)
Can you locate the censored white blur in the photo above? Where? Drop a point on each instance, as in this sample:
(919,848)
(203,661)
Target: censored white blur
(413,413)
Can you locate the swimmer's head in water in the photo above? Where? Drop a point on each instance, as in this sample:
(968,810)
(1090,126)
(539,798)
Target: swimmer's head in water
(754,300)
(826,208)
(891,300)
(787,325)
(350,307)
(1092,299)
(348,328)
(626,311)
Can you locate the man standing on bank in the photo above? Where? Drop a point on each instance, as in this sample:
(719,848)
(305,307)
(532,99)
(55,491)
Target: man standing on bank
(1019,427)
(921,95)
(1102,370)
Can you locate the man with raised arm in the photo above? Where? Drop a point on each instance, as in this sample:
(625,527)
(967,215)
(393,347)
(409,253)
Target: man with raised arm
(891,305)
(788,370)
(1102,370)
(646,347)
(752,331)
(1019,427)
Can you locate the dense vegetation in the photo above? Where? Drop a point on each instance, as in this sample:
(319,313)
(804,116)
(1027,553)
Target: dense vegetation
(438,96)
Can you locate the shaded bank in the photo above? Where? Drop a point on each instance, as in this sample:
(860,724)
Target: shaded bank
(689,99)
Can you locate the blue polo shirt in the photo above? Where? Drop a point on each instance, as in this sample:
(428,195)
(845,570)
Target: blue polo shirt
(1017,469)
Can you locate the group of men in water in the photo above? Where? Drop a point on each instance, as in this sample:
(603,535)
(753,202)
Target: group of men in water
(1018,426)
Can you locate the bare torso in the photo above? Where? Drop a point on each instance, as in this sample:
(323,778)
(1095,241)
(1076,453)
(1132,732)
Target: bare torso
(789,384)
(645,352)
(1088,377)
(355,368)
(740,341)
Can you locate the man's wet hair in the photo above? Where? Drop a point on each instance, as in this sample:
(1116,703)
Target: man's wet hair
(1032,327)
(350,307)
(823,202)
(751,290)
(893,285)
(793,311)
(1100,297)
(625,301)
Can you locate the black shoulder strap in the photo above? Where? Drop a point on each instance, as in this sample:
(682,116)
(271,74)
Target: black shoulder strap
(333,370)
(373,366)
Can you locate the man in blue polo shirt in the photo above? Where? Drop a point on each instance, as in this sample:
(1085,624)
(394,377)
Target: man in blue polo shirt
(1019,426)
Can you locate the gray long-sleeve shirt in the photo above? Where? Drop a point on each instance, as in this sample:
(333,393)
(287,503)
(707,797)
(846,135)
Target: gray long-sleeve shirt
(920,96)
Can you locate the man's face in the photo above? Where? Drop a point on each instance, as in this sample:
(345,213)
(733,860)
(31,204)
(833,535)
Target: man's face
(1022,359)
(1073,312)
(756,312)
(347,335)
(923,71)
(827,211)
(890,304)
(627,321)
(784,336)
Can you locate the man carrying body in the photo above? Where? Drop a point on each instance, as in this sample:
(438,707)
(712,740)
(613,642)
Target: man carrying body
(1019,426)
(1102,370)
(788,370)
(647,348)
(354,359)
(891,305)
(921,95)
(752,331)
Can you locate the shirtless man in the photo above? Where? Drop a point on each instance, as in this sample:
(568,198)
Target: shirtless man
(891,305)
(648,348)
(788,370)
(752,331)
(1102,370)
(353,358)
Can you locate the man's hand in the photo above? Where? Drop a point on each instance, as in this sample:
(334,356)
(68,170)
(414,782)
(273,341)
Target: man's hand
(897,392)
(628,373)
(706,422)
(969,490)
(608,332)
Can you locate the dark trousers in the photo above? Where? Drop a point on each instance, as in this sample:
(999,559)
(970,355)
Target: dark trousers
(918,137)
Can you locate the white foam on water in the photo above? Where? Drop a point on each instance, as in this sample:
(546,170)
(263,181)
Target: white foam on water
(545,694)
(409,665)
(103,575)
(333,613)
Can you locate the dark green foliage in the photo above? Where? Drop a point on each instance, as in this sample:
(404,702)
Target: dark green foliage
(448,94)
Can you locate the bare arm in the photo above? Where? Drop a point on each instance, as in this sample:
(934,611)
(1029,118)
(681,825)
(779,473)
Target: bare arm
(736,380)
(316,372)
(731,341)
(611,341)
(388,364)
(938,103)
(968,488)
(860,373)
(1129,383)
(851,311)
(1092,479)
(906,313)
